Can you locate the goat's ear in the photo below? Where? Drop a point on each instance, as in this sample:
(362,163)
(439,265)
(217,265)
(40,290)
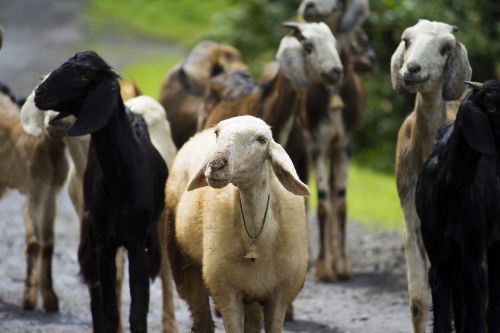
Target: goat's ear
(457,70)
(32,118)
(397,61)
(285,171)
(476,128)
(98,107)
(296,29)
(199,180)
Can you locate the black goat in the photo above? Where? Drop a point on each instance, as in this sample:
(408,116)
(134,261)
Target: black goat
(123,185)
(458,202)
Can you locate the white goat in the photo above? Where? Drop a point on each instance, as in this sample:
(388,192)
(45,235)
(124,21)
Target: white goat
(244,238)
(430,62)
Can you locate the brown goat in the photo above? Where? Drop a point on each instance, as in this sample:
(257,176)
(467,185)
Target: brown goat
(183,89)
(37,167)
(330,137)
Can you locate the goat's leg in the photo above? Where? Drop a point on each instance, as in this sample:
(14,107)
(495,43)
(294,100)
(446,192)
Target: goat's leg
(120,267)
(139,288)
(168,313)
(475,296)
(416,269)
(32,251)
(107,271)
(494,288)
(339,166)
(50,300)
(324,268)
(253,317)
(440,282)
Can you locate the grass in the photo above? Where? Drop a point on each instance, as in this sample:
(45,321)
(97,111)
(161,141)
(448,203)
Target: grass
(371,199)
(148,76)
(181,21)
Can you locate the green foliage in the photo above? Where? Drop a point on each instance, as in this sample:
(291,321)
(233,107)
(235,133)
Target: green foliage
(183,21)
(253,26)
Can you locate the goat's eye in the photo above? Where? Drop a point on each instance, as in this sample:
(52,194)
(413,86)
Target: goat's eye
(216,133)
(491,109)
(84,78)
(308,47)
(445,49)
(406,42)
(262,139)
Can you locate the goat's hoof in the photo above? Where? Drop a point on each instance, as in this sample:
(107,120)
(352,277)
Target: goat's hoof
(28,304)
(29,299)
(323,272)
(289,314)
(50,302)
(343,269)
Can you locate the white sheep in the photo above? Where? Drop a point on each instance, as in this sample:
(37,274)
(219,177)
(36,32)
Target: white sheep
(430,62)
(244,237)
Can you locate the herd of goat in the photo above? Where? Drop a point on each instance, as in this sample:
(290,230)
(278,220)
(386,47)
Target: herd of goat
(207,185)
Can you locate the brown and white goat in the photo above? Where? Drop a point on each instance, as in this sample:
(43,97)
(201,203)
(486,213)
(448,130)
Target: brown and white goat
(431,63)
(306,58)
(183,89)
(37,167)
(243,238)
(330,139)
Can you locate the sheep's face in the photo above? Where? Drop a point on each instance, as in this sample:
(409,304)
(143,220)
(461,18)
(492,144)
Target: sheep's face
(328,11)
(419,63)
(241,148)
(310,55)
(66,88)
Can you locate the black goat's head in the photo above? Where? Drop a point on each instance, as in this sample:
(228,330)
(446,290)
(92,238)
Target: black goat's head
(479,116)
(84,86)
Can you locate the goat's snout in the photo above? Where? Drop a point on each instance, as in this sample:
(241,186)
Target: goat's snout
(413,68)
(334,75)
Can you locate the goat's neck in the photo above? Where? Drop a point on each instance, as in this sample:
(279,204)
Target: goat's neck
(254,201)
(281,106)
(115,145)
(430,114)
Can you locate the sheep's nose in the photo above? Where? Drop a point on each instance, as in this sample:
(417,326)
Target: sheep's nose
(413,68)
(218,164)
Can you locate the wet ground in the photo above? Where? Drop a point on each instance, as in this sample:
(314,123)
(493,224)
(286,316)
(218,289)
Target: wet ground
(41,34)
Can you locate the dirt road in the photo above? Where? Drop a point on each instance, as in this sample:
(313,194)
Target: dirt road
(41,34)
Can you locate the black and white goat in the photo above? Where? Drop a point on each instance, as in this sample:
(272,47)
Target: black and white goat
(458,202)
(123,185)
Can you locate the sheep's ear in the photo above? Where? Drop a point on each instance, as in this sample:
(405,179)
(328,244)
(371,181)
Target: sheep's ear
(32,118)
(199,180)
(476,128)
(457,70)
(98,107)
(397,61)
(285,171)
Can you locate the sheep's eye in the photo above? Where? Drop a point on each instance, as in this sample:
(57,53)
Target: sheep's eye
(261,139)
(308,47)
(444,49)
